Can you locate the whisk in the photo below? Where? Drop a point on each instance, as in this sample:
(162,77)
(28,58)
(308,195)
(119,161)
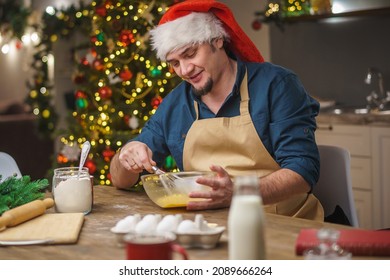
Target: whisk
(168,179)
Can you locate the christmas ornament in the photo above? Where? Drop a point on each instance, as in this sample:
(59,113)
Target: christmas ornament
(80,94)
(126,37)
(101,10)
(100,37)
(155,72)
(156,101)
(91,165)
(93,39)
(108,154)
(125,74)
(98,65)
(256,24)
(105,92)
(81,103)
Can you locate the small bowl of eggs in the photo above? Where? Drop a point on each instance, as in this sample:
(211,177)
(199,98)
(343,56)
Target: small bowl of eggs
(170,190)
(195,233)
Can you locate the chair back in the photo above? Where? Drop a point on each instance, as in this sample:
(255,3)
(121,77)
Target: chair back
(334,187)
(8,166)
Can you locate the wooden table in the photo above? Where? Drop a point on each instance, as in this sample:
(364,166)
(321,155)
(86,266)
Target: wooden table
(96,242)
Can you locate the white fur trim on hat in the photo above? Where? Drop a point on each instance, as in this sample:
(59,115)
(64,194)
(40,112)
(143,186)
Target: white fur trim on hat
(190,29)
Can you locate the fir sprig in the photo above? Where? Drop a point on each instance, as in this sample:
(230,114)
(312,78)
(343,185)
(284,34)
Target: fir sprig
(18,191)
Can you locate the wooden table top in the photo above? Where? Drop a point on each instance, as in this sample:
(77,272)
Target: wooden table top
(96,241)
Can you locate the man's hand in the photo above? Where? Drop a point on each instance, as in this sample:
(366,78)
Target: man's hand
(126,165)
(221,194)
(136,156)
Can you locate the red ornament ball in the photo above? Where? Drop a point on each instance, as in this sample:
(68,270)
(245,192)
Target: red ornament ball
(91,166)
(108,154)
(80,94)
(156,101)
(105,92)
(126,37)
(101,10)
(126,74)
(256,24)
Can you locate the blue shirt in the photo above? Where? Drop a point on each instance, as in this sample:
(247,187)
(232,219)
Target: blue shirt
(281,110)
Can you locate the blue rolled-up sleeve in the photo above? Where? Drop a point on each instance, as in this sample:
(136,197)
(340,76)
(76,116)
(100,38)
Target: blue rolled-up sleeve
(292,128)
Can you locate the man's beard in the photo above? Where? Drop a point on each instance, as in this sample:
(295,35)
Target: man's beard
(204,90)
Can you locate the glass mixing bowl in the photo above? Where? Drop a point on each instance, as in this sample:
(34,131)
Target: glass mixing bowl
(170,190)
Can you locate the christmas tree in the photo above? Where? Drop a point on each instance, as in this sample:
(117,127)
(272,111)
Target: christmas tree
(119,82)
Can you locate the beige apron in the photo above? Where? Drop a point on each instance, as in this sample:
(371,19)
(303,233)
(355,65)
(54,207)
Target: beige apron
(234,144)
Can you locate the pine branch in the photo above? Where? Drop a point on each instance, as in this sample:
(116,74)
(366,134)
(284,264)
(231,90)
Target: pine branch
(18,191)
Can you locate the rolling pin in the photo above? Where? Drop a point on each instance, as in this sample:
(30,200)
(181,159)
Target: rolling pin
(24,212)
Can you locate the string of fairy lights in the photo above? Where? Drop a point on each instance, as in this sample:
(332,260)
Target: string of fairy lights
(278,10)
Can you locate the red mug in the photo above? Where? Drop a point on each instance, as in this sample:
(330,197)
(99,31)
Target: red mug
(152,247)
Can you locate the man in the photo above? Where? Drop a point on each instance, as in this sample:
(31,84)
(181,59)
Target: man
(233,114)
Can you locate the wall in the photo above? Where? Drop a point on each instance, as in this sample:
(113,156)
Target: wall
(245,14)
(15,71)
(15,66)
(332,56)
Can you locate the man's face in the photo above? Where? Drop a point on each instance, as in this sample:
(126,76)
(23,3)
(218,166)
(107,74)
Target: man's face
(197,64)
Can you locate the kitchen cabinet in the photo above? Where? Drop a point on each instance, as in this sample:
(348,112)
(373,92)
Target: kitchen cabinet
(356,139)
(381,176)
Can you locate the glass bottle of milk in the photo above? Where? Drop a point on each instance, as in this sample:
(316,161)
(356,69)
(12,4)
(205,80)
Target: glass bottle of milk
(246,220)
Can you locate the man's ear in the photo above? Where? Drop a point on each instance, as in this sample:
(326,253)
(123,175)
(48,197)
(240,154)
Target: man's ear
(218,43)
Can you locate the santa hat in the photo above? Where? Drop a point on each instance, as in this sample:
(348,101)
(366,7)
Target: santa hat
(200,21)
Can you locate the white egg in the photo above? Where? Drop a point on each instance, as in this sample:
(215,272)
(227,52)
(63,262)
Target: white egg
(168,224)
(142,228)
(127,224)
(187,226)
(147,225)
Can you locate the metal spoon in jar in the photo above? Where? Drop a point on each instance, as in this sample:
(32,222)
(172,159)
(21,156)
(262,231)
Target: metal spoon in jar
(84,153)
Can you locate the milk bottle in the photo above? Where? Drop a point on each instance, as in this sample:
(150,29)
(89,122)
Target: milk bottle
(246,221)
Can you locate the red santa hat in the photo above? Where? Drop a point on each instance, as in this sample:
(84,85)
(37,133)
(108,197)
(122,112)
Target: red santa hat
(200,21)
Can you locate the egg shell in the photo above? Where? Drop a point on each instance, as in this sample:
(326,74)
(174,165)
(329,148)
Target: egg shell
(168,224)
(187,226)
